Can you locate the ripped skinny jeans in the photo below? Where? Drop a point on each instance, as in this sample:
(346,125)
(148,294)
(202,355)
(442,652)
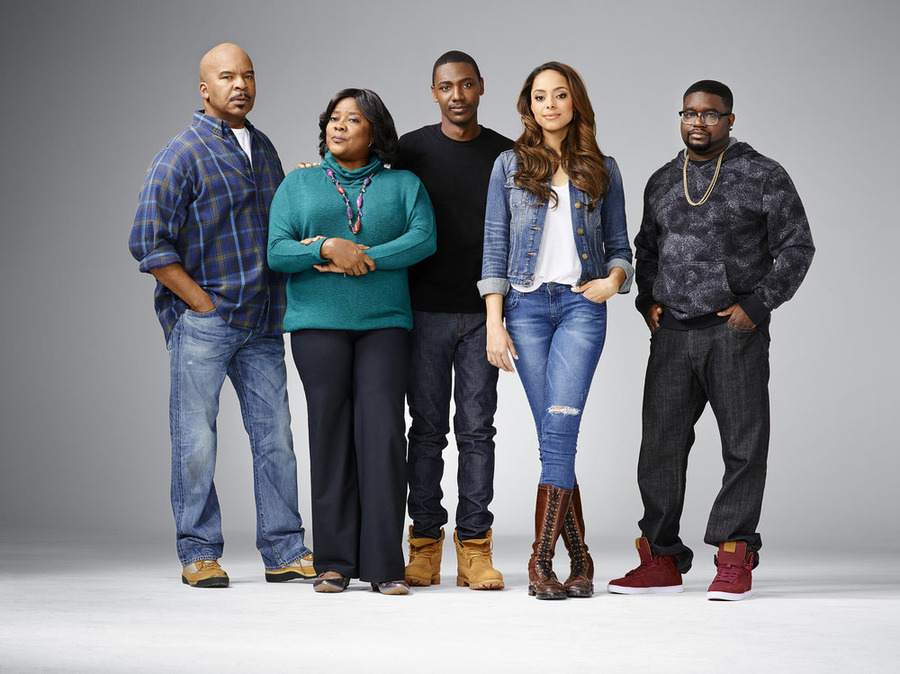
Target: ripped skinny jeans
(559,337)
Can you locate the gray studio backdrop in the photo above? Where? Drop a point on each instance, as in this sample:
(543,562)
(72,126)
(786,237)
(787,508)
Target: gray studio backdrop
(92,90)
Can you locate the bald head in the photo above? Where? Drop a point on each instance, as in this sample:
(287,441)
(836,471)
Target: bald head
(227,83)
(219,55)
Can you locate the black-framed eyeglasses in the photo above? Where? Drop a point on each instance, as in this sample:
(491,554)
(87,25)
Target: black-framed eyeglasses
(708,118)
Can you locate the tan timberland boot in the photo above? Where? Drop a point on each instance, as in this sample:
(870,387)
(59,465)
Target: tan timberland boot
(424,566)
(474,566)
(204,573)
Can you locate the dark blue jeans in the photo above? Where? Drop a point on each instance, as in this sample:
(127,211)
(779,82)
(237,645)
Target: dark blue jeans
(441,344)
(729,368)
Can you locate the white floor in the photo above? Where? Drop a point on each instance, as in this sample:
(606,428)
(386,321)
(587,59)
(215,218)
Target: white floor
(96,607)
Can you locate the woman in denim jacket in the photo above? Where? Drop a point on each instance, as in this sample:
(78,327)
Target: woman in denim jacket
(555,250)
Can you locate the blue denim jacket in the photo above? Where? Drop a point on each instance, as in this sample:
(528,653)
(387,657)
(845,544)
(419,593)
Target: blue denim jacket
(514,223)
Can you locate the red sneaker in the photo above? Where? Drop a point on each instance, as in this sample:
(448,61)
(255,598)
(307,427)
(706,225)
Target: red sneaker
(656,574)
(733,579)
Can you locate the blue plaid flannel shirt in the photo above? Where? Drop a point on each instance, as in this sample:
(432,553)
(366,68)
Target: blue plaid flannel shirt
(204,206)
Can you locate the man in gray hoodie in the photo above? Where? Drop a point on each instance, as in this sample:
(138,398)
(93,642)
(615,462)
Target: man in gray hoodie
(724,241)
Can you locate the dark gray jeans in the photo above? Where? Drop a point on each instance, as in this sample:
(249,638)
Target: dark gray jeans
(729,368)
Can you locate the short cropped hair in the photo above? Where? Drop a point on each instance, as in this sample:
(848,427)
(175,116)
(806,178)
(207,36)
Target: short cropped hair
(384,145)
(712,87)
(454,56)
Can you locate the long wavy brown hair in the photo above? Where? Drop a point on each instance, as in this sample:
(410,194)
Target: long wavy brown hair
(580,155)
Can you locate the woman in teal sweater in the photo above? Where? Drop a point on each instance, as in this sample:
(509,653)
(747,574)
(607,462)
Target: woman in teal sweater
(346,231)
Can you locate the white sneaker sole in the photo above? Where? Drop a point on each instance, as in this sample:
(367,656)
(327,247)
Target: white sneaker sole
(668,589)
(728,596)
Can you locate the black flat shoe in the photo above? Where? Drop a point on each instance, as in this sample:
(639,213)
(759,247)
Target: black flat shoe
(331,584)
(391,587)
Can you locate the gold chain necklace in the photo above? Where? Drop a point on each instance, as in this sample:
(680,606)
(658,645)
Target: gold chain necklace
(711,185)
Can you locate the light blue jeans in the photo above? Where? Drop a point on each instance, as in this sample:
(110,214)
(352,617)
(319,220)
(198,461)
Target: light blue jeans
(203,350)
(559,337)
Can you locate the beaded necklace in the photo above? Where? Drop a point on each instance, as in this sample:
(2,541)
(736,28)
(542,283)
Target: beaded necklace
(354,226)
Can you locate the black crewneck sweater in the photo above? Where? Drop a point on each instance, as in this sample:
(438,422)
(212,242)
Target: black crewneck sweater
(456,175)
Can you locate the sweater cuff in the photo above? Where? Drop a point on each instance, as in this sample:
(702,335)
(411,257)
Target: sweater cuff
(488,286)
(643,304)
(317,247)
(754,308)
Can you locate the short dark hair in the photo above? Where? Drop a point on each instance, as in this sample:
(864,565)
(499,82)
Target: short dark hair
(454,56)
(712,87)
(384,145)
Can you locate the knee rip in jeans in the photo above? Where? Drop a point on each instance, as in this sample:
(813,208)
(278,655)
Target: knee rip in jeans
(566,411)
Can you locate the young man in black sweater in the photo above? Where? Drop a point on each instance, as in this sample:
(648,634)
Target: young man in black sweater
(723,242)
(453,159)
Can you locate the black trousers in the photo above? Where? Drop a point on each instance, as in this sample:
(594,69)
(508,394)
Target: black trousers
(355,385)
(729,368)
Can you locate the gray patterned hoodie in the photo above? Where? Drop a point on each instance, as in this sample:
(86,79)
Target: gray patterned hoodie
(749,243)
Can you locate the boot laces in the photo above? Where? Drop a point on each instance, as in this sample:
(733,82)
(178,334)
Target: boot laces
(575,543)
(543,557)
(425,551)
(478,554)
(550,522)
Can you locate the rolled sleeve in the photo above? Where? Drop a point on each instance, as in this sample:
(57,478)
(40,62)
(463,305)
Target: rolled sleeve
(162,211)
(488,286)
(495,254)
(159,258)
(615,229)
(625,266)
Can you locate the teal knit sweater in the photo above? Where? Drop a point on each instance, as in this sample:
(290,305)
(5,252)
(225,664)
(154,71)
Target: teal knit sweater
(397,224)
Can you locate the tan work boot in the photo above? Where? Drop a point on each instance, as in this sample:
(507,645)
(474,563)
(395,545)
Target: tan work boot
(473,564)
(424,566)
(204,573)
(303,568)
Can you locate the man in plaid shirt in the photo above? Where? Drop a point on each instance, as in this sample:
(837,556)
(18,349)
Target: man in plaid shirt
(201,230)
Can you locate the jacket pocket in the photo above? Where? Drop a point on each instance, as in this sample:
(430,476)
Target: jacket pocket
(693,288)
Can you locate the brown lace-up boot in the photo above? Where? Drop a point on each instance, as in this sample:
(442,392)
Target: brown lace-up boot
(475,567)
(424,566)
(549,514)
(580,582)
